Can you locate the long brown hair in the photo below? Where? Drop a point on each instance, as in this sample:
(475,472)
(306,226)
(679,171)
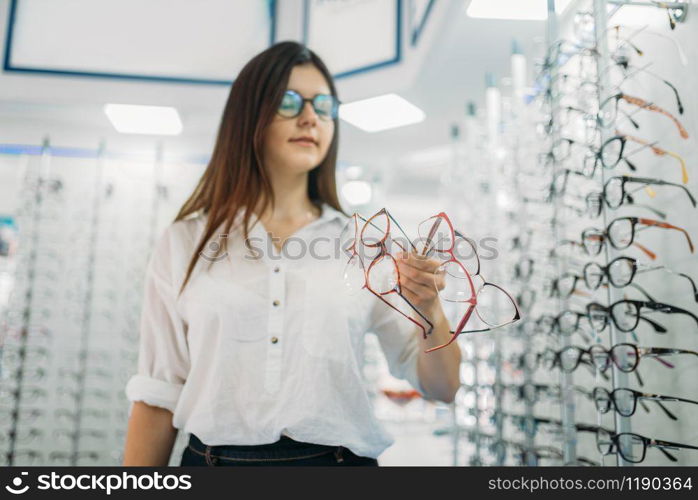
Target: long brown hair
(235,177)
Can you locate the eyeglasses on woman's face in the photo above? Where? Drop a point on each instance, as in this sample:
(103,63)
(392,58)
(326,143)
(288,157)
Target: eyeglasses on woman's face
(326,106)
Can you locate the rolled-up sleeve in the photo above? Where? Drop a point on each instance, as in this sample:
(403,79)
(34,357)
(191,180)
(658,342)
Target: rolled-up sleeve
(399,341)
(163,356)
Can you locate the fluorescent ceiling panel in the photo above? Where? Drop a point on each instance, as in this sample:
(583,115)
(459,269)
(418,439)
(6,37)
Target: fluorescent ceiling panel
(352,35)
(381,113)
(522,10)
(136,119)
(203,40)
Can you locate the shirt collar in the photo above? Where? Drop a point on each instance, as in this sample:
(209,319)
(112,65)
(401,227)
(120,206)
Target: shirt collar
(329,213)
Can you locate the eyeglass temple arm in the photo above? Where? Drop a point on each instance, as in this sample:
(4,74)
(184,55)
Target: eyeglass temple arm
(666,398)
(582,390)
(659,182)
(666,225)
(399,311)
(666,410)
(431,325)
(664,451)
(643,69)
(642,291)
(653,107)
(657,212)
(661,152)
(670,309)
(656,326)
(658,351)
(670,444)
(667,270)
(649,253)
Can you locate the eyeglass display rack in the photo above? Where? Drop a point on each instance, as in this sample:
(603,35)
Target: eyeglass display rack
(71,327)
(573,414)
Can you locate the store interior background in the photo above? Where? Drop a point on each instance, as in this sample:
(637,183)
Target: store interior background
(88,252)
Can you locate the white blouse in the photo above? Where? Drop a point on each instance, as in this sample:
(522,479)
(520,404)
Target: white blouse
(259,347)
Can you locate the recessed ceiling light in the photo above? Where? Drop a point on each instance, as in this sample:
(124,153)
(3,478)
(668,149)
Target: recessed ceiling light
(381,113)
(136,119)
(357,192)
(524,10)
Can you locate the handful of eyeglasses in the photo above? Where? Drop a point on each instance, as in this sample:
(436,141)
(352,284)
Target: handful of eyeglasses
(470,302)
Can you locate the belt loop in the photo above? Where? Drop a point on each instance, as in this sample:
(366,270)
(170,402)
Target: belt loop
(209,460)
(338,454)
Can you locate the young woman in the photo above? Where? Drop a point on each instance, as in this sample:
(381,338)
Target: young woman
(249,341)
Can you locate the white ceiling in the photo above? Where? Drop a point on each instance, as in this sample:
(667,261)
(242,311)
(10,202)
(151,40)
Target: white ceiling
(70,109)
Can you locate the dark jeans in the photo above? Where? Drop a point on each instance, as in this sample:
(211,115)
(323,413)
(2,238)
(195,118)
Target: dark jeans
(285,451)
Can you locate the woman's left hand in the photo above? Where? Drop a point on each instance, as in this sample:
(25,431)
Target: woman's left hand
(420,282)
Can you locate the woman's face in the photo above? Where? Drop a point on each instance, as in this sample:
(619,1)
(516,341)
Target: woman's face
(282,150)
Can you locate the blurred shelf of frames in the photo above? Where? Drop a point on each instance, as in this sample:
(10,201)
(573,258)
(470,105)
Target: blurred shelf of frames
(82,228)
(600,201)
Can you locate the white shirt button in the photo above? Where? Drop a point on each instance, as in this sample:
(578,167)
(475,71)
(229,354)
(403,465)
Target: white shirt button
(276,303)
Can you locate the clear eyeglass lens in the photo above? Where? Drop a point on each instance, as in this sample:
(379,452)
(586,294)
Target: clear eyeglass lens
(631,447)
(347,237)
(436,233)
(625,401)
(290,105)
(607,113)
(614,192)
(610,153)
(464,250)
(597,316)
(625,315)
(530,360)
(593,204)
(604,443)
(375,230)
(458,286)
(494,306)
(602,400)
(548,359)
(621,272)
(592,241)
(324,106)
(593,274)
(620,232)
(599,357)
(567,322)
(569,358)
(354,277)
(625,357)
(529,392)
(383,275)
(546,324)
